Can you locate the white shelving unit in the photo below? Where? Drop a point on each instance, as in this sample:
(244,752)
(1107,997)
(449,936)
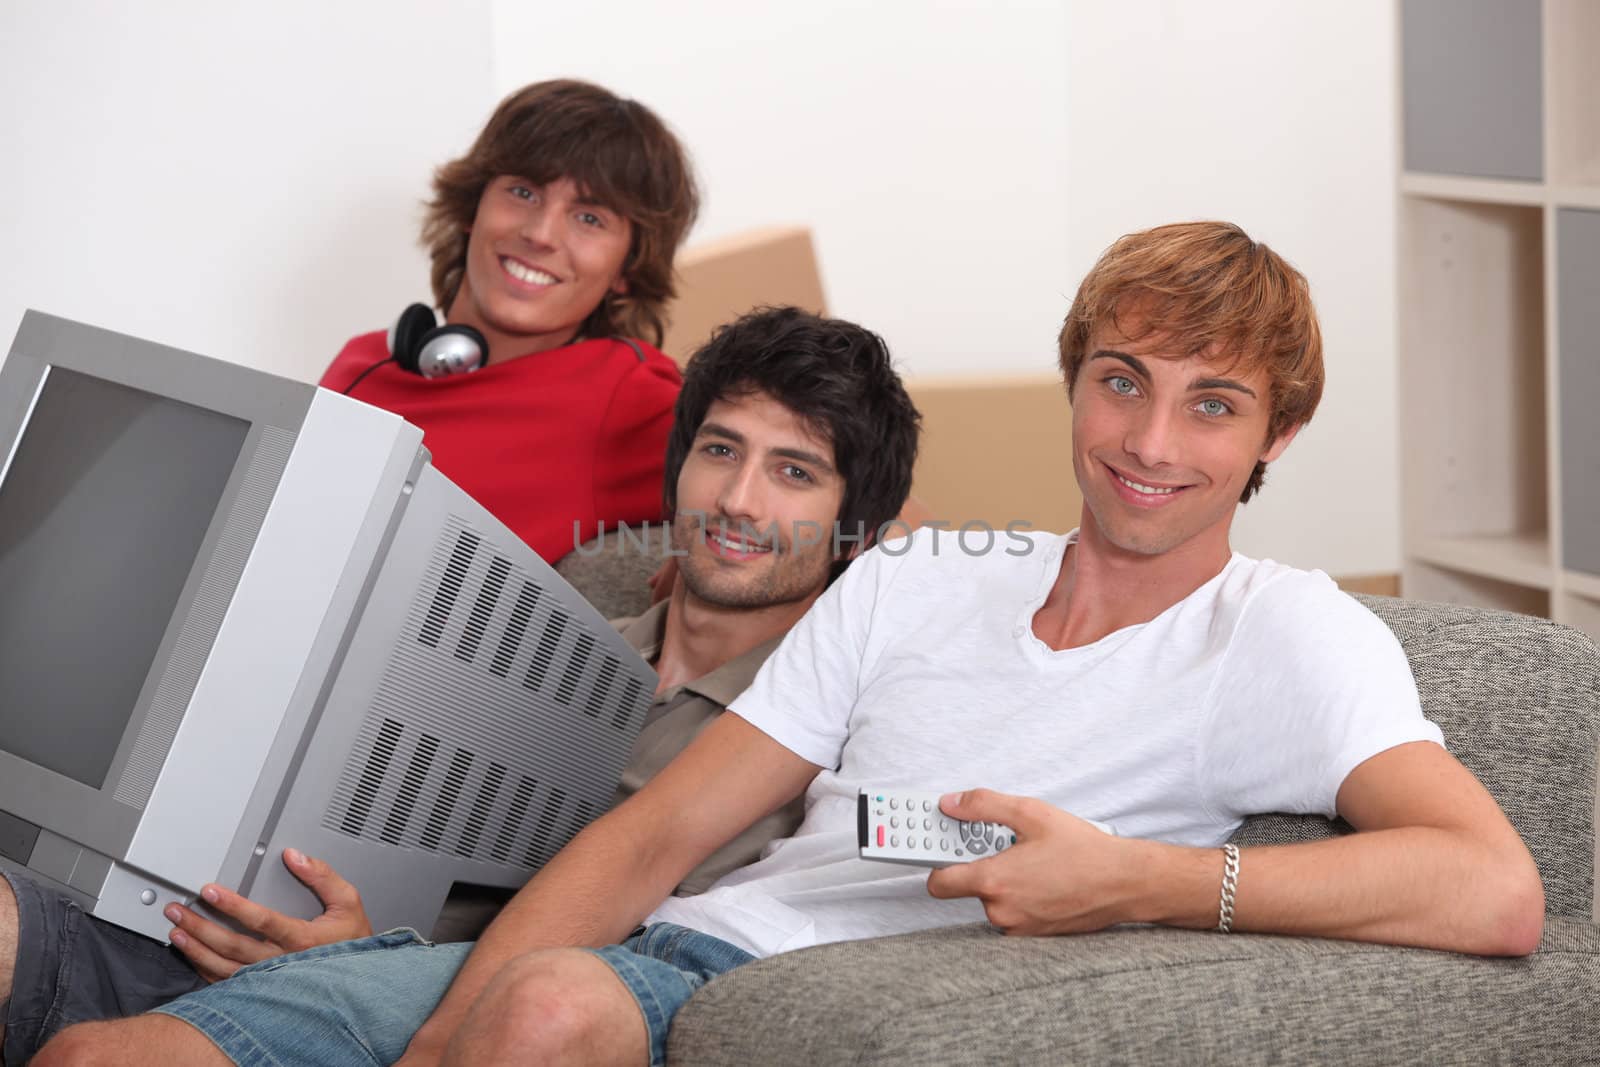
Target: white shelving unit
(1499,304)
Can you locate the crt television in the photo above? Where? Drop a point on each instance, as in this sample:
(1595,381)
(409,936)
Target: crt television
(239,612)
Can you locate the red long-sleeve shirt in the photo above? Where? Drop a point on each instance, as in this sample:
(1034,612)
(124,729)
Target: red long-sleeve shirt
(573,435)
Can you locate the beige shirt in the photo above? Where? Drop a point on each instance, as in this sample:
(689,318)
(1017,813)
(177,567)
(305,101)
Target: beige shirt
(675,718)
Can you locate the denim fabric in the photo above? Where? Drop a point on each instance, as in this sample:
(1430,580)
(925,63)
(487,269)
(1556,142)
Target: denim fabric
(351,1003)
(663,965)
(73,968)
(360,1002)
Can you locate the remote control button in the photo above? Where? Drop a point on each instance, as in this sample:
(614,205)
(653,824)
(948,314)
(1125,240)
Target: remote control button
(1000,844)
(944,825)
(944,846)
(988,831)
(894,840)
(894,804)
(978,848)
(880,837)
(960,853)
(894,820)
(880,811)
(927,805)
(927,843)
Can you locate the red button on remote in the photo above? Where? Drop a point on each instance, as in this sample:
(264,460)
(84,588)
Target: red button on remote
(880,837)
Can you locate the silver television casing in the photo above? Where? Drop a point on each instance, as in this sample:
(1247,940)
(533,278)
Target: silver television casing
(363,664)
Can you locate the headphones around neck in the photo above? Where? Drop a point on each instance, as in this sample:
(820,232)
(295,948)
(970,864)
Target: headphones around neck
(417,343)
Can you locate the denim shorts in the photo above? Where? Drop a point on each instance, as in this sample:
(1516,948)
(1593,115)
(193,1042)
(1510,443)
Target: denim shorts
(74,968)
(360,1002)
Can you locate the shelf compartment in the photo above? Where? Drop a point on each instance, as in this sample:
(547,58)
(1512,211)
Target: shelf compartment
(1472,87)
(1578,385)
(1573,90)
(1581,613)
(1582,584)
(1520,558)
(1447,585)
(1472,362)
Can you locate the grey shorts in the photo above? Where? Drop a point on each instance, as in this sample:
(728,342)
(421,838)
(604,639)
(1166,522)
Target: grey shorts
(74,968)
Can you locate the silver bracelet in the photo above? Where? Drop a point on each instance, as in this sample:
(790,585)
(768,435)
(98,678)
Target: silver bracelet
(1230,882)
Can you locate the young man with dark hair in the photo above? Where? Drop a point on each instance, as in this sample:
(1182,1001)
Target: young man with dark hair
(1135,671)
(765,399)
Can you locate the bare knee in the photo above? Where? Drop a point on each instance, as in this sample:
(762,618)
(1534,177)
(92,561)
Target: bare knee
(145,1039)
(8,941)
(556,1006)
(87,1043)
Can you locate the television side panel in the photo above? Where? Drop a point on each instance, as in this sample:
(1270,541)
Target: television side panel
(481,717)
(348,463)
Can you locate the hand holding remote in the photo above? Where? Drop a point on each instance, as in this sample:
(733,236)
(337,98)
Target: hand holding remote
(1063,875)
(907,826)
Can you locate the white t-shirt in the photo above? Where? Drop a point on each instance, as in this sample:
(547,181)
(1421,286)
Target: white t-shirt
(919,669)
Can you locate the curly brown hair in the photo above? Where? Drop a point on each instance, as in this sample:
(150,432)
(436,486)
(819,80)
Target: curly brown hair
(616,150)
(1213,289)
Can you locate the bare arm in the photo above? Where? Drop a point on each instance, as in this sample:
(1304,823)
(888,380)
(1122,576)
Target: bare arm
(1435,865)
(626,862)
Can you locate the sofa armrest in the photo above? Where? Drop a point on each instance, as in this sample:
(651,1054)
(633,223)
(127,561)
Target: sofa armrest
(1147,995)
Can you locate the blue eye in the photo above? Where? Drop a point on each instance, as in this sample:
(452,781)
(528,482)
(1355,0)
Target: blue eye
(1214,407)
(1122,386)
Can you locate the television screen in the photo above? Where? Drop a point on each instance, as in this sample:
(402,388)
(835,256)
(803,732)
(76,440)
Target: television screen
(103,509)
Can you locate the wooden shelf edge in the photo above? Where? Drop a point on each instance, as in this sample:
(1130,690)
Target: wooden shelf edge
(1508,561)
(1473,190)
(1578,196)
(1580,584)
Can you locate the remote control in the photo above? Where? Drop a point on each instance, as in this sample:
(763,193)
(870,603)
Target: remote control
(906,826)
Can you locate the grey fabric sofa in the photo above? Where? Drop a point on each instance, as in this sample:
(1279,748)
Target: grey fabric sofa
(1519,702)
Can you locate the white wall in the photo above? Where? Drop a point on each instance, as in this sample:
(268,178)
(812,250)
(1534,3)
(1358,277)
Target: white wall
(962,165)
(241,180)
(923,143)
(1280,117)
(245,181)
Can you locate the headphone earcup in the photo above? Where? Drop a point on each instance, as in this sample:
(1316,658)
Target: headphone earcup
(407,334)
(451,349)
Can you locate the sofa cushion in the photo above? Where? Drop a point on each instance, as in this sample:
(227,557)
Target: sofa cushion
(613,571)
(967,995)
(1518,699)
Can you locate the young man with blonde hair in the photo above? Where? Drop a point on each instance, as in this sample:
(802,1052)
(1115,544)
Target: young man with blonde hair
(1135,672)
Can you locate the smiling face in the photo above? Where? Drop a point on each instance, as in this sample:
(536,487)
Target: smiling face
(540,258)
(1163,444)
(756,501)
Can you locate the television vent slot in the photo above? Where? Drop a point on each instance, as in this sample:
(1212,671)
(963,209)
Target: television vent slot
(482,609)
(516,627)
(545,653)
(513,824)
(444,601)
(576,665)
(602,687)
(410,787)
(494,733)
(372,775)
(541,847)
(445,806)
(631,697)
(482,804)
(585,817)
